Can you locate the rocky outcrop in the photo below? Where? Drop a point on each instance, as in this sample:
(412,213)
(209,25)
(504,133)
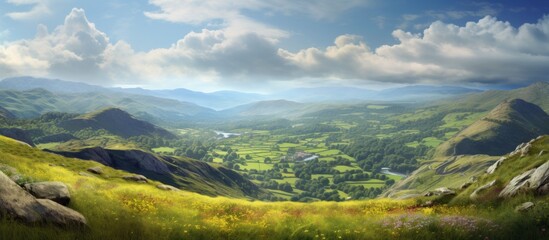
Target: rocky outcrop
(536,180)
(136,178)
(517,184)
(16,203)
(55,191)
(52,212)
(441,191)
(166,187)
(482,188)
(524,207)
(494,166)
(523,149)
(95,170)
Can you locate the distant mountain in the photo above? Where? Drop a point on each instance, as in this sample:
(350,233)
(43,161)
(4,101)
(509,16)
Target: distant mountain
(419,92)
(228,99)
(345,94)
(215,100)
(184,173)
(323,94)
(535,93)
(116,122)
(265,108)
(507,125)
(33,103)
(52,85)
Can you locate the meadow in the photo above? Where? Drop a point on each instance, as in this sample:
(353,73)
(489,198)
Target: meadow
(117,209)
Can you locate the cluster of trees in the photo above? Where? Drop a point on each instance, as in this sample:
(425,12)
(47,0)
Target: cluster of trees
(306,169)
(338,178)
(272,184)
(359,191)
(373,154)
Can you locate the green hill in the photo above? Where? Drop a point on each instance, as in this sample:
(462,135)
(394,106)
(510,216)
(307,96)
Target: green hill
(502,129)
(535,93)
(184,173)
(117,122)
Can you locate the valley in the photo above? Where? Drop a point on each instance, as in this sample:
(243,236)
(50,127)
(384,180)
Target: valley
(274,119)
(248,172)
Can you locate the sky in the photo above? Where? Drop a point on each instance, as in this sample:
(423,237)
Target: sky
(267,45)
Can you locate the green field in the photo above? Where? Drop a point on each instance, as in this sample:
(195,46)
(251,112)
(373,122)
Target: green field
(167,150)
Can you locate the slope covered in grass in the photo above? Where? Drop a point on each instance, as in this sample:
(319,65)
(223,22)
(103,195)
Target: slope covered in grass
(500,131)
(117,209)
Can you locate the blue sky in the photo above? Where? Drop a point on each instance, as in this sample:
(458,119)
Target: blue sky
(257,45)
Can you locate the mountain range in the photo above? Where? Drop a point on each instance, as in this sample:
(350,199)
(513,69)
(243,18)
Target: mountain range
(227,99)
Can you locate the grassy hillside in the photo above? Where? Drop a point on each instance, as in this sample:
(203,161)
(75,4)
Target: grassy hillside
(500,131)
(451,172)
(513,166)
(117,209)
(117,122)
(536,93)
(181,172)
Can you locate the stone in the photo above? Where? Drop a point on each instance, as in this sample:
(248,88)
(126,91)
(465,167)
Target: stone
(57,214)
(524,207)
(428,194)
(166,187)
(444,191)
(55,191)
(524,151)
(480,189)
(494,166)
(136,178)
(465,185)
(540,176)
(428,204)
(541,153)
(95,170)
(18,204)
(517,184)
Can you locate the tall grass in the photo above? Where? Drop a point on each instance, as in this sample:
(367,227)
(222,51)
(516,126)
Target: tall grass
(116,209)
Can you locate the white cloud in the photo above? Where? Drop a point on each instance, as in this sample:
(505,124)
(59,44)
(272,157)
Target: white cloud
(232,18)
(72,50)
(39,8)
(478,52)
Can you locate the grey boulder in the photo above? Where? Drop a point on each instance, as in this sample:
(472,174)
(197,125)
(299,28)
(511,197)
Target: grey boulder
(16,203)
(55,191)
